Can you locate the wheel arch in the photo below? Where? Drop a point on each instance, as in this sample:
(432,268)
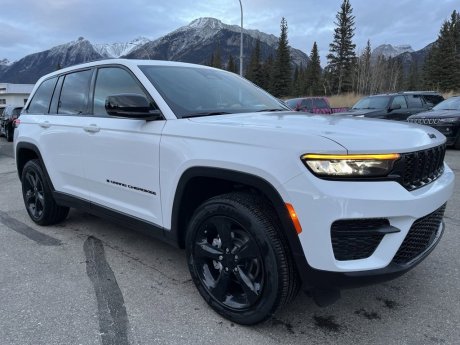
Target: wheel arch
(25,152)
(194,179)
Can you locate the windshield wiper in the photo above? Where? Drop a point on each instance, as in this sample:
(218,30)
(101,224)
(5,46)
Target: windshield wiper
(268,110)
(211,113)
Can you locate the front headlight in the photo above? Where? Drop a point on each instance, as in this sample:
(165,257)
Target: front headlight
(362,165)
(449,120)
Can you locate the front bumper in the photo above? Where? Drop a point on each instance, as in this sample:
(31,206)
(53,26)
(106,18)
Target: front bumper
(319,203)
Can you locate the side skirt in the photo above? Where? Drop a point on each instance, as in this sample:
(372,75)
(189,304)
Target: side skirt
(134,223)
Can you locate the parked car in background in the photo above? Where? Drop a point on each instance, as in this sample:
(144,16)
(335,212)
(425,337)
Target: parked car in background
(315,105)
(445,117)
(10,113)
(394,106)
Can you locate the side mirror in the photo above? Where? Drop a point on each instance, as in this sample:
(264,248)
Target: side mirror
(131,106)
(395,107)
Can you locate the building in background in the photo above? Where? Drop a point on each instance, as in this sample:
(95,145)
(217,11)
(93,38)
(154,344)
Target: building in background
(14,94)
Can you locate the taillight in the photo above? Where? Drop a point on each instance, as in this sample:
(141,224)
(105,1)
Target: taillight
(16,123)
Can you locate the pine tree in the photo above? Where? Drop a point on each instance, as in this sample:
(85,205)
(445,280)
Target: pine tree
(267,72)
(313,74)
(441,66)
(413,78)
(254,71)
(231,66)
(342,55)
(363,71)
(216,58)
(280,81)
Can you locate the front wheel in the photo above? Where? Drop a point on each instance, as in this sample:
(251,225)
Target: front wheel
(38,197)
(238,259)
(457,143)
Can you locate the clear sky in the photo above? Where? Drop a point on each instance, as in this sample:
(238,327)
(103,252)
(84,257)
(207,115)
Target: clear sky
(30,26)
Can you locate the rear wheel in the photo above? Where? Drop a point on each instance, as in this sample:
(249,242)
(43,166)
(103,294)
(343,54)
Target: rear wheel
(38,197)
(238,259)
(9,133)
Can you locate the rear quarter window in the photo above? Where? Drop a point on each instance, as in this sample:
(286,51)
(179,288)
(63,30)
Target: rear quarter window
(40,102)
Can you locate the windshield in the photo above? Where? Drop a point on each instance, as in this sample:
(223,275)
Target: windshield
(380,102)
(452,103)
(195,91)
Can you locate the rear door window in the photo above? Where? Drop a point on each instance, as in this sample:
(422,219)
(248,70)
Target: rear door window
(75,93)
(414,101)
(399,100)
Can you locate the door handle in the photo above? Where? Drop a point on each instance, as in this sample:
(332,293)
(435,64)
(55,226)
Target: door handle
(92,128)
(45,124)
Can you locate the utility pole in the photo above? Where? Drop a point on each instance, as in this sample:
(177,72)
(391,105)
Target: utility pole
(241,41)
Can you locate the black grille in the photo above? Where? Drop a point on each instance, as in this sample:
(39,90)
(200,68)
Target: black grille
(420,236)
(432,121)
(417,169)
(354,239)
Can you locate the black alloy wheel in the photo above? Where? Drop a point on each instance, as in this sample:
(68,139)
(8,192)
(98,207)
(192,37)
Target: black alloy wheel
(228,262)
(34,197)
(38,197)
(238,259)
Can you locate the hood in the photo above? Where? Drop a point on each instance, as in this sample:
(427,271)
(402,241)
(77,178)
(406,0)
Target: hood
(356,135)
(436,114)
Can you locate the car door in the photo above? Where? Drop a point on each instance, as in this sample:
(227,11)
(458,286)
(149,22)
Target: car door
(59,107)
(415,104)
(122,157)
(398,109)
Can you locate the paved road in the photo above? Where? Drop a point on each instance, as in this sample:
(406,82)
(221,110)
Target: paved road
(89,281)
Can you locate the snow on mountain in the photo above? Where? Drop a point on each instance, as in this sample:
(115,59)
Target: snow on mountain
(196,42)
(117,49)
(387,50)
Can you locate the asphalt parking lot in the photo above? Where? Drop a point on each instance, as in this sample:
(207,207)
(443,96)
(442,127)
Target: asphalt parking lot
(89,281)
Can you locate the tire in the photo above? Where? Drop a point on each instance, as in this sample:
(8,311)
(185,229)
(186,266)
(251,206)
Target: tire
(238,258)
(9,134)
(457,143)
(38,197)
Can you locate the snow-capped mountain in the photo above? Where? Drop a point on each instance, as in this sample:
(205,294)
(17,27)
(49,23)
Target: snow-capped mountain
(387,50)
(30,68)
(196,42)
(117,49)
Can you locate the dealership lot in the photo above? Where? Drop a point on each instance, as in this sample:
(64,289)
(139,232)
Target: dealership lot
(89,281)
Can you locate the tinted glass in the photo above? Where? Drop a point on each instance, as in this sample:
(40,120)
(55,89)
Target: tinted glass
(399,100)
(452,103)
(74,94)
(380,102)
(195,91)
(113,81)
(41,100)
(292,103)
(433,99)
(320,103)
(414,101)
(306,104)
(17,111)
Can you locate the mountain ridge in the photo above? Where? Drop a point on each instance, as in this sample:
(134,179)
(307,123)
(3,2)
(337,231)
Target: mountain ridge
(194,43)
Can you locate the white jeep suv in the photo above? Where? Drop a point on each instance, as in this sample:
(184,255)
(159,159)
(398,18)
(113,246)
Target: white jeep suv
(264,200)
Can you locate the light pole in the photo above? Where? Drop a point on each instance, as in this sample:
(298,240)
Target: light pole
(241,41)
